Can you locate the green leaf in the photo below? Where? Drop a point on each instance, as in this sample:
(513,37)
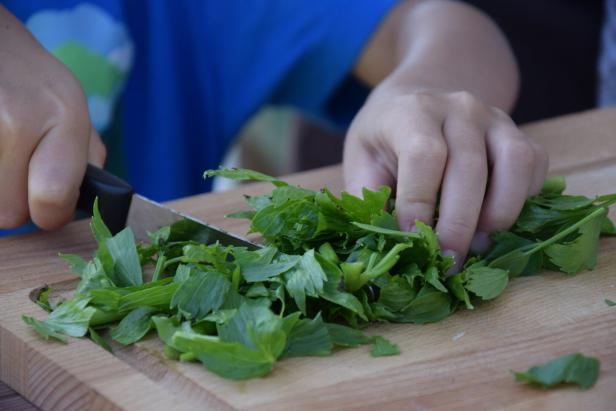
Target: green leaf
(160,236)
(44,329)
(333,293)
(362,210)
(69,318)
(201,293)
(397,294)
(581,253)
(430,305)
(433,280)
(165,327)
(386,231)
(282,194)
(514,262)
(76,263)
(506,248)
(93,276)
(255,272)
(346,336)
(127,268)
(309,337)
(572,368)
(306,278)
(96,337)
(134,326)
(456,285)
(231,360)
(256,327)
(243,174)
(610,303)
(43,299)
(564,203)
(486,282)
(98,226)
(382,347)
(153,295)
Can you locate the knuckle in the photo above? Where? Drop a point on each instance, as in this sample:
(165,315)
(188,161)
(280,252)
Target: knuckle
(467,101)
(499,221)
(475,161)
(458,228)
(423,99)
(425,148)
(422,203)
(520,150)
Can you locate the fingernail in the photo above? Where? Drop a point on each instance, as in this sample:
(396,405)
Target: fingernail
(481,242)
(456,262)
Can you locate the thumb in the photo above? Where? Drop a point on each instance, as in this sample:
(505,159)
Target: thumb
(362,168)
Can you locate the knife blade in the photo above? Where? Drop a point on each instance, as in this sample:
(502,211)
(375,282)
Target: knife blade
(121,207)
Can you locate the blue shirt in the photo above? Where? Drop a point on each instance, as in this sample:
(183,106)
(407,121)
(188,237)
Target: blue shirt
(188,74)
(607,60)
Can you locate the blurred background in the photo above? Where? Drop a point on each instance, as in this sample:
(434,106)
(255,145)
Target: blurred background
(556,43)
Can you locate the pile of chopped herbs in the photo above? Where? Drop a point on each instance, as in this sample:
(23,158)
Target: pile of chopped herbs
(330,266)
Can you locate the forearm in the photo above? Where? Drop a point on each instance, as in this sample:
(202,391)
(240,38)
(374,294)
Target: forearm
(441,45)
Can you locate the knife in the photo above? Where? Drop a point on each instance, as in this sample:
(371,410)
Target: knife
(121,207)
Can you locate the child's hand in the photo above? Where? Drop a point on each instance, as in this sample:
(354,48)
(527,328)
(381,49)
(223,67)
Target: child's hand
(450,149)
(46,137)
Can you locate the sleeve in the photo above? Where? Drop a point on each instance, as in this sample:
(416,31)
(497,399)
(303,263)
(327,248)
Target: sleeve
(298,52)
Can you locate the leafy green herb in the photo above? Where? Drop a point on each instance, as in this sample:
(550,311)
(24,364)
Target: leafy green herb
(134,326)
(69,318)
(331,266)
(44,329)
(201,293)
(486,282)
(572,368)
(96,337)
(382,347)
(610,303)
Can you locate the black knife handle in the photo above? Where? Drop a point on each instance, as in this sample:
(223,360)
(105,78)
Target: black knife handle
(114,197)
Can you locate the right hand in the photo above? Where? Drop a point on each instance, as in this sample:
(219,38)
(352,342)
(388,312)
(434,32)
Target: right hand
(46,137)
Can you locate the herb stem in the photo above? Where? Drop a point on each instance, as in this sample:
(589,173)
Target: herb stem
(557,237)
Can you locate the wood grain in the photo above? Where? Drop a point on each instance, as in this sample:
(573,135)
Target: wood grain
(459,363)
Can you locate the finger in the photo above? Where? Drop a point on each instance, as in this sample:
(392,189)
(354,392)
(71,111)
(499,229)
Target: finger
(463,188)
(13,184)
(421,161)
(56,170)
(361,168)
(513,171)
(97,153)
(540,171)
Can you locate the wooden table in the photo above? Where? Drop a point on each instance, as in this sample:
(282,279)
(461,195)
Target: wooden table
(461,362)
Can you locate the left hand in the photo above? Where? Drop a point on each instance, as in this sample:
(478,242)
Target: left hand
(445,148)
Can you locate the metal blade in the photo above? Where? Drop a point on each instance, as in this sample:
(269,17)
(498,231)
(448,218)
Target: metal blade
(146,215)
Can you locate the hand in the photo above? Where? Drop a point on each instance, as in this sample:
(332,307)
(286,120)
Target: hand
(450,149)
(46,137)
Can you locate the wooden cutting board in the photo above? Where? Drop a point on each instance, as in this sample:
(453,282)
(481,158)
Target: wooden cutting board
(462,362)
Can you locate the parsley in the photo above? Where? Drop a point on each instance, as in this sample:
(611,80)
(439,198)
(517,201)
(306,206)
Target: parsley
(572,368)
(382,347)
(331,266)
